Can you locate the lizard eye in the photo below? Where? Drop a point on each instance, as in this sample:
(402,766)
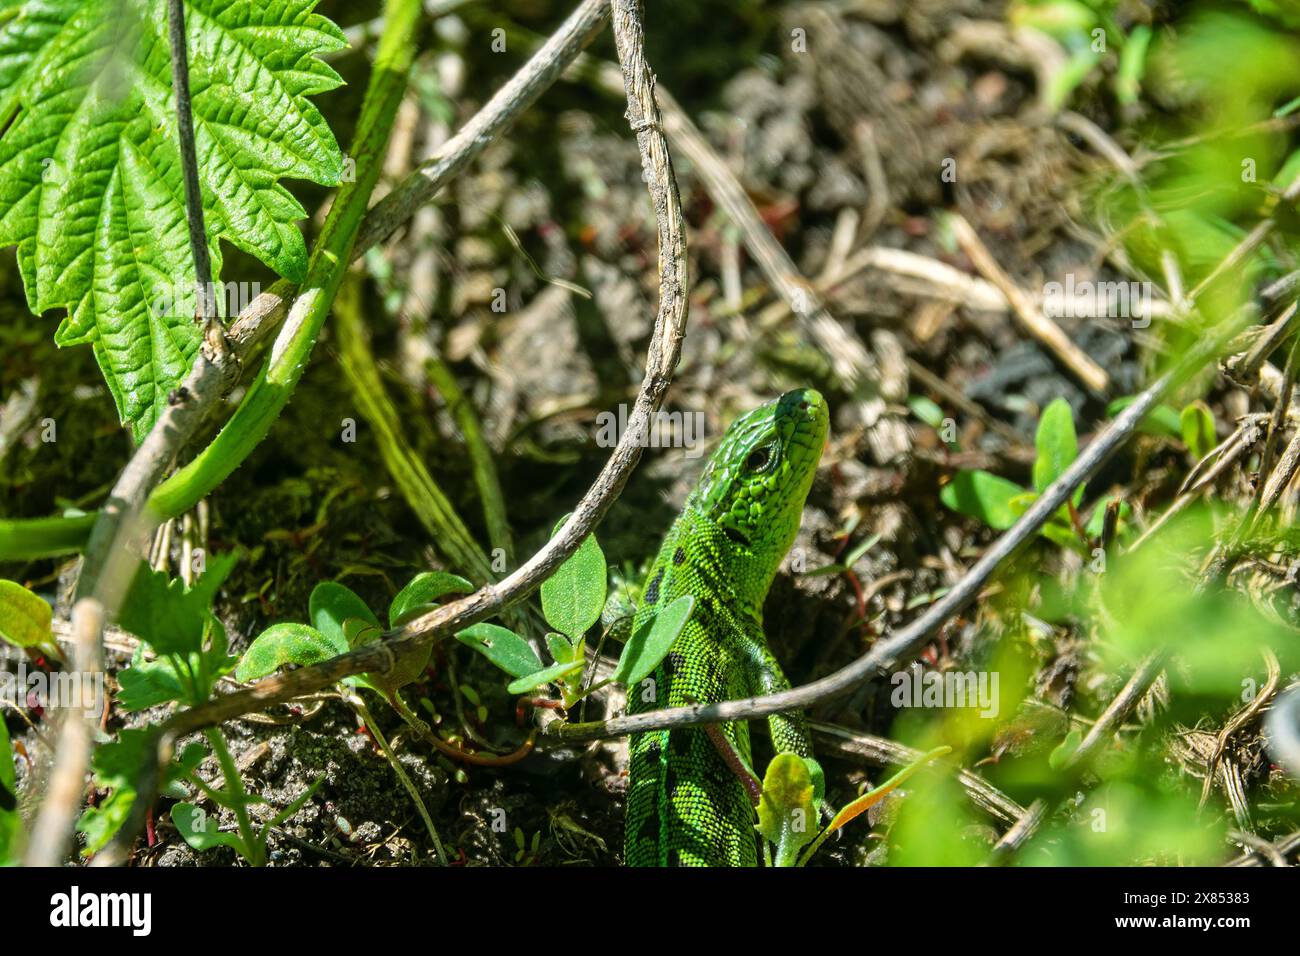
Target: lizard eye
(758,458)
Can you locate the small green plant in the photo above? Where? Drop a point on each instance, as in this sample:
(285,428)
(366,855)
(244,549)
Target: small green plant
(792,795)
(999,503)
(190,654)
(573,600)
(1087,31)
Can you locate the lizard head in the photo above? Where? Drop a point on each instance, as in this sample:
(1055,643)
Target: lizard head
(755,484)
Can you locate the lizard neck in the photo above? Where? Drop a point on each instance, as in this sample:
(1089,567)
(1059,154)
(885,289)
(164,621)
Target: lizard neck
(738,575)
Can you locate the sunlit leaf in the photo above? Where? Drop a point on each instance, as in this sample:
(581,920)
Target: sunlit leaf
(574,596)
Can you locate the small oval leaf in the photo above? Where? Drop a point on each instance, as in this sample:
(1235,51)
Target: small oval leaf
(650,643)
(425,588)
(1057,443)
(544,676)
(574,596)
(24,617)
(286,643)
(331,604)
(983,495)
(503,647)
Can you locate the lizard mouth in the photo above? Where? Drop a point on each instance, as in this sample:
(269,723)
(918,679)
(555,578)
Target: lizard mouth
(737,537)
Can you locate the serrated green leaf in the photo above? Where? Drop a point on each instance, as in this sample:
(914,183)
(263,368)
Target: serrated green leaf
(90,179)
(503,647)
(165,614)
(982,495)
(425,589)
(147,684)
(650,643)
(574,596)
(199,829)
(25,619)
(544,676)
(286,643)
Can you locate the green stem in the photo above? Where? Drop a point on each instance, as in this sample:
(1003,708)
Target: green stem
(275,383)
(26,539)
(238,795)
(361,708)
(421,492)
(480,455)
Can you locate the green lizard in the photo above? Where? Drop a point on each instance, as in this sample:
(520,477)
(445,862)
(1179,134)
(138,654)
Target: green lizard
(685,805)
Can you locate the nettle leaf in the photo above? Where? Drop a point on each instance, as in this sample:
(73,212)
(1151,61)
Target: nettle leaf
(25,619)
(1057,445)
(503,647)
(116,767)
(649,643)
(200,829)
(574,596)
(287,643)
(91,186)
(147,684)
(983,495)
(171,618)
(422,592)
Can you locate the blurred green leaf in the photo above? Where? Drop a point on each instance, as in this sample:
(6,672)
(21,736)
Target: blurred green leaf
(11,823)
(25,619)
(1057,445)
(982,495)
(1197,427)
(787,817)
(1161,421)
(1132,65)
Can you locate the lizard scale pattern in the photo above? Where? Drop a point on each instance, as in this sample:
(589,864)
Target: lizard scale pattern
(685,806)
